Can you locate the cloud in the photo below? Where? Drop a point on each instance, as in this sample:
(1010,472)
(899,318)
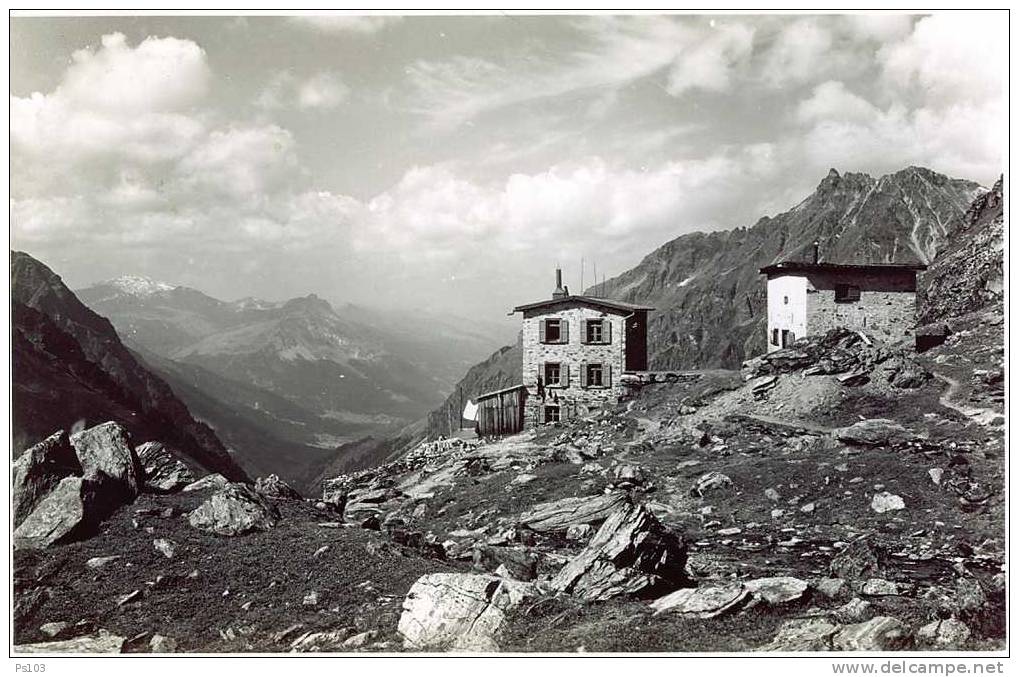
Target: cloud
(831,101)
(613,52)
(321,91)
(799,51)
(344,24)
(948,57)
(710,64)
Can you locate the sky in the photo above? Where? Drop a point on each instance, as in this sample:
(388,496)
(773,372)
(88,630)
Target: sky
(450,163)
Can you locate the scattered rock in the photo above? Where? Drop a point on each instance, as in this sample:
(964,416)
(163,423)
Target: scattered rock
(331,640)
(162,470)
(100,642)
(858,561)
(132,596)
(162,644)
(830,587)
(936,474)
(311,599)
(273,487)
(704,602)
(519,564)
(803,634)
(165,546)
(853,611)
(38,470)
(881,633)
(459,611)
(579,532)
(886,502)
(234,510)
(777,589)
(944,634)
(360,640)
(873,432)
(772,494)
(631,553)
(880,587)
(100,562)
(558,516)
(105,455)
(711,481)
(56,629)
(321,551)
(213,481)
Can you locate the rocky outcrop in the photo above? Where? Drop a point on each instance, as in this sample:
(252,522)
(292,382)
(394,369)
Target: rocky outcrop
(882,633)
(68,512)
(213,481)
(803,634)
(463,612)
(273,487)
(558,516)
(38,470)
(234,510)
(631,554)
(162,471)
(106,455)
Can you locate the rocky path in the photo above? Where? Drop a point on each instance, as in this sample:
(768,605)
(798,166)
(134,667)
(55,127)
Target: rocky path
(979,415)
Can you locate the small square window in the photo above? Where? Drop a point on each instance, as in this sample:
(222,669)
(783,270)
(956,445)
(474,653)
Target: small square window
(551,414)
(594,375)
(846,293)
(553,373)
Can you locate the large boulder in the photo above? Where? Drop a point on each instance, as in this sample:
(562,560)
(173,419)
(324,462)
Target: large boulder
(803,634)
(234,510)
(516,562)
(105,454)
(273,487)
(631,554)
(703,602)
(38,470)
(69,512)
(874,432)
(777,590)
(213,481)
(100,642)
(558,516)
(162,471)
(881,633)
(459,611)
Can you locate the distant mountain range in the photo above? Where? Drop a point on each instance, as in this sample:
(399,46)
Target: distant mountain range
(286,384)
(70,370)
(709,297)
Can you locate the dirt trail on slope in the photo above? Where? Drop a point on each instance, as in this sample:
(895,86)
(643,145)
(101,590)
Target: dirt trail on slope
(978,414)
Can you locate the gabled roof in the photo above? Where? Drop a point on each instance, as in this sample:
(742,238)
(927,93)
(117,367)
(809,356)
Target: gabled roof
(607,304)
(806,267)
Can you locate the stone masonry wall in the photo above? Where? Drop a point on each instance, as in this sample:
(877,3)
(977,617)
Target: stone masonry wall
(572,399)
(886,309)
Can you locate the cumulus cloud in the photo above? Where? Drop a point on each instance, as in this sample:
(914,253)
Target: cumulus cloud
(321,91)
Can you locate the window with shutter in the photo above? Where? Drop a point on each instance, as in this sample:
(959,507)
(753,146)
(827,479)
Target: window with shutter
(555,329)
(564,326)
(595,374)
(593,333)
(606,331)
(607,375)
(541,332)
(553,374)
(583,374)
(564,375)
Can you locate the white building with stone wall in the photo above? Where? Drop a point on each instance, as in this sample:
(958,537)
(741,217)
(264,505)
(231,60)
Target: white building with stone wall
(805,299)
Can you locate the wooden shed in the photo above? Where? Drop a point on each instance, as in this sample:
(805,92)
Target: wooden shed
(501,412)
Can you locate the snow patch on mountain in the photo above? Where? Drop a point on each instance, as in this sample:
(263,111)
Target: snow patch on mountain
(139,285)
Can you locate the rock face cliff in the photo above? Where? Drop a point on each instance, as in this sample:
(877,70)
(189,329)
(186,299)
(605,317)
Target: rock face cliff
(71,369)
(709,297)
(968,273)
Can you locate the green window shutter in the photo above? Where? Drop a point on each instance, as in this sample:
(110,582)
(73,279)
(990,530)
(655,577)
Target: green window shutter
(541,330)
(606,331)
(583,374)
(606,374)
(564,374)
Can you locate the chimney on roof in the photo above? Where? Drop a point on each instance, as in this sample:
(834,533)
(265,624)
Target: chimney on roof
(559,291)
(817,251)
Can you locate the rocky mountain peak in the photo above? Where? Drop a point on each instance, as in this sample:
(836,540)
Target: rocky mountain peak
(138,285)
